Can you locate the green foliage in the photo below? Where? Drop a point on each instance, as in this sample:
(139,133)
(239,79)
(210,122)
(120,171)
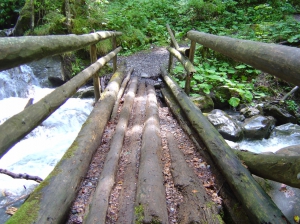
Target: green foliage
(292,106)
(9,11)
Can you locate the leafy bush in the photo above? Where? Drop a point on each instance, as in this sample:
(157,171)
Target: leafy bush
(9,12)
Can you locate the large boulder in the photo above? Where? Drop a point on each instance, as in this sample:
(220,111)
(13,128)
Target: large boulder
(226,126)
(281,115)
(204,103)
(48,67)
(86,92)
(258,127)
(287,131)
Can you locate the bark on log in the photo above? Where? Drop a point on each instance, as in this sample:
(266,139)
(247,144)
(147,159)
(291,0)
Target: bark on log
(150,197)
(280,168)
(51,200)
(18,126)
(123,86)
(21,176)
(188,66)
(127,194)
(99,204)
(278,60)
(289,93)
(235,211)
(258,205)
(197,206)
(20,50)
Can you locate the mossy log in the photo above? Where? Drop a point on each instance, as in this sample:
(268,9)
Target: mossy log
(99,204)
(51,200)
(18,126)
(278,60)
(150,205)
(258,205)
(20,50)
(281,168)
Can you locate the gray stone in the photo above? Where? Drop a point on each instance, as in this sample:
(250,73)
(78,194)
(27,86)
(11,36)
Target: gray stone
(47,67)
(87,92)
(288,130)
(281,115)
(204,103)
(226,126)
(258,127)
(293,150)
(249,112)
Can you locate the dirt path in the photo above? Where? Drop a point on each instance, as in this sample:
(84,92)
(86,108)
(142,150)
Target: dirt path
(144,189)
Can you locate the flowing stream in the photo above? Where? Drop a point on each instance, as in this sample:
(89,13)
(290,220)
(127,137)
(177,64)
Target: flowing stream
(40,150)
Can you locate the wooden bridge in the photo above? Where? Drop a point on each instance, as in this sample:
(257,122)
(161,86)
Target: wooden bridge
(136,127)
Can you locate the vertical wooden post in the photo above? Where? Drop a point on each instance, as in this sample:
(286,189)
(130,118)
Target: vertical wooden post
(187,87)
(96,81)
(170,59)
(114,43)
(192,51)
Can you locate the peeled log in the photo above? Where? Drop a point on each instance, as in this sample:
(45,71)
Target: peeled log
(280,168)
(278,60)
(18,126)
(258,205)
(20,50)
(51,200)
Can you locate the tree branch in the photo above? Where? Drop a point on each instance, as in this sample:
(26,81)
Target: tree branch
(21,176)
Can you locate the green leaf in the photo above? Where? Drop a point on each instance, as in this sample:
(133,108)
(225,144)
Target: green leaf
(234,101)
(240,66)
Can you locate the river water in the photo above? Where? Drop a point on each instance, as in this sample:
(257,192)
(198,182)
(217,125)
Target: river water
(40,150)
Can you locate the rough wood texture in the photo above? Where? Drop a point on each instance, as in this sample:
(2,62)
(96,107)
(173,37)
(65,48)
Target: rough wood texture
(96,80)
(234,211)
(123,86)
(281,168)
(51,200)
(18,126)
(99,204)
(21,175)
(196,206)
(258,205)
(278,60)
(150,197)
(20,50)
(127,194)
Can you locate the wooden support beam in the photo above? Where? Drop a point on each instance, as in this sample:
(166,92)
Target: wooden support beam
(114,43)
(96,80)
(192,51)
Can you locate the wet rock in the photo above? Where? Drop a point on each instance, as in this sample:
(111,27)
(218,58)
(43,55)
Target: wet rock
(85,93)
(293,150)
(258,127)
(249,112)
(281,115)
(55,81)
(204,103)
(285,197)
(288,130)
(145,75)
(47,67)
(226,126)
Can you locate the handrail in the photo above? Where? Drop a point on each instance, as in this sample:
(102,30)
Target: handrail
(16,51)
(277,60)
(18,126)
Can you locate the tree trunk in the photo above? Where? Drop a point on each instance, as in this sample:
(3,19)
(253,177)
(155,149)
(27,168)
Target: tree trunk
(278,60)
(16,51)
(68,16)
(150,204)
(258,205)
(99,204)
(51,200)
(18,126)
(280,168)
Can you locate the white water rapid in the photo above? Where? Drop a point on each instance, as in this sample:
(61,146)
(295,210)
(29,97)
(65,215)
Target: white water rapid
(40,150)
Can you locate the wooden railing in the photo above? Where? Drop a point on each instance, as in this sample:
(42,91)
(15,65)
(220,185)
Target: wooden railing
(19,50)
(278,60)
